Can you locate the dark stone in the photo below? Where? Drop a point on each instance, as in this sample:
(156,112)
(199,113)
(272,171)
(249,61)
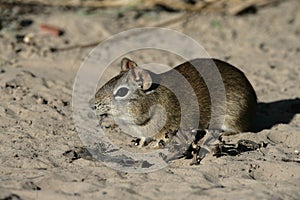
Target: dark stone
(25,23)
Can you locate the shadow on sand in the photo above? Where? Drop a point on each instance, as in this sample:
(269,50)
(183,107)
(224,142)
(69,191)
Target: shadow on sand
(277,112)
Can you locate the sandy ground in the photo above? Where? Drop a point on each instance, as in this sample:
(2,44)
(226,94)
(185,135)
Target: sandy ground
(36,126)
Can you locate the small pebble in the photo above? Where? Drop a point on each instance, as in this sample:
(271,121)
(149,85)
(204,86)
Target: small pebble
(25,22)
(28,38)
(272,66)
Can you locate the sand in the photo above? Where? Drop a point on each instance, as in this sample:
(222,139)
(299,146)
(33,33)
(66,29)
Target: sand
(38,134)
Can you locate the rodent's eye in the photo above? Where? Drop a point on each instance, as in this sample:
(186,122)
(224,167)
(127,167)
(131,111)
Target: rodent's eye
(122,92)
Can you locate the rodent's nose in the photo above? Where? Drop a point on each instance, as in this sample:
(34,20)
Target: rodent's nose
(93,107)
(92,104)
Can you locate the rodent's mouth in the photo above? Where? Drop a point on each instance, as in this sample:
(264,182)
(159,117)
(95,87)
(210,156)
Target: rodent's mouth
(100,113)
(103,115)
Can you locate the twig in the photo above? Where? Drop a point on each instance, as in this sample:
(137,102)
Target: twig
(227,6)
(76,46)
(290,160)
(174,20)
(93,44)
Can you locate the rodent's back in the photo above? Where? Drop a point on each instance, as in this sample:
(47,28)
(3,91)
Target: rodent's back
(240,95)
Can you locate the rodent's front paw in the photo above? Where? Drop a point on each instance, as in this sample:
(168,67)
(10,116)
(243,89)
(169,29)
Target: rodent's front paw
(136,141)
(157,144)
(149,142)
(143,141)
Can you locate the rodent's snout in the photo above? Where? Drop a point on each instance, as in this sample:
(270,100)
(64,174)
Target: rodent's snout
(93,107)
(92,104)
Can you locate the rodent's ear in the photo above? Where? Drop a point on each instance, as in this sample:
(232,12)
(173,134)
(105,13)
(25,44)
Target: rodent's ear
(142,77)
(127,64)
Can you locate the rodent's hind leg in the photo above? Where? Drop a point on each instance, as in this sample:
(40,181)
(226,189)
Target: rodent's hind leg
(193,144)
(226,133)
(208,144)
(183,144)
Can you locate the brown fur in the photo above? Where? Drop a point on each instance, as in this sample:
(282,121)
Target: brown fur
(240,97)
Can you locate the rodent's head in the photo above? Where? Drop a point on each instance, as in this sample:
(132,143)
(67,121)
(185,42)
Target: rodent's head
(127,96)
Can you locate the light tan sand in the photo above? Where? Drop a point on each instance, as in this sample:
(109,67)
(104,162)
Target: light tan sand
(36,125)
